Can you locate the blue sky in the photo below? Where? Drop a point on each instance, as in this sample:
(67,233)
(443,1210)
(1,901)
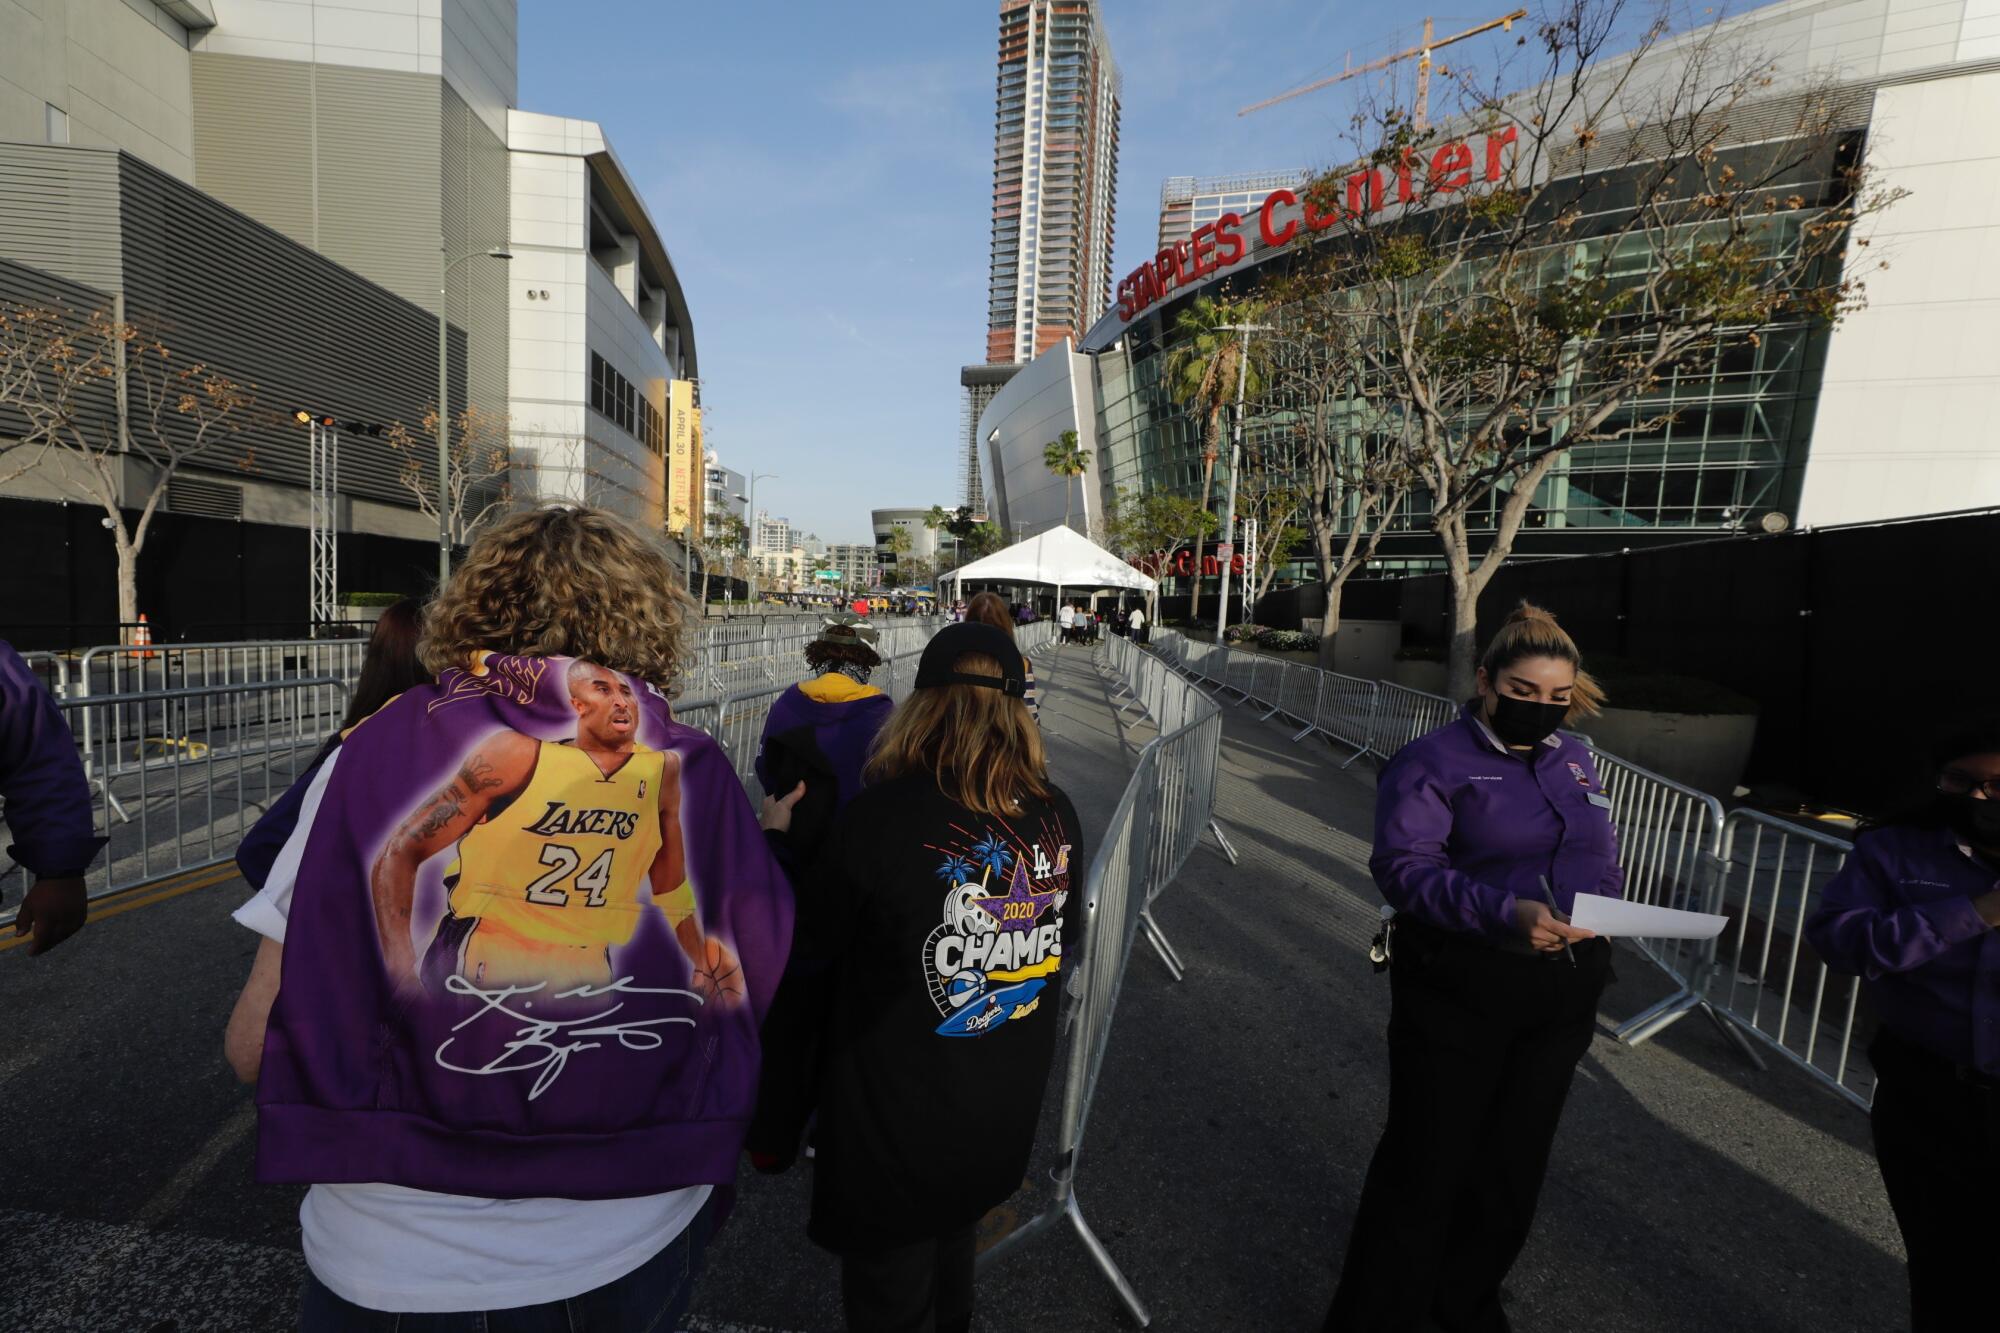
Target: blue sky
(822,175)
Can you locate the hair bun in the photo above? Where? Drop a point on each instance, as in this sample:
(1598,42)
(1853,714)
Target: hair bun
(1526,611)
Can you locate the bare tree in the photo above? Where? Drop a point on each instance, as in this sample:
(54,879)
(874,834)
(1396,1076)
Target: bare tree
(1533,275)
(722,546)
(479,453)
(88,395)
(1349,456)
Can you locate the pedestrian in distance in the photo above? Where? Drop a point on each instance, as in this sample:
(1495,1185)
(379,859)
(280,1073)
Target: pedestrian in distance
(1138,625)
(46,798)
(504,1017)
(1485,834)
(931,944)
(987,608)
(388,667)
(1914,913)
(819,732)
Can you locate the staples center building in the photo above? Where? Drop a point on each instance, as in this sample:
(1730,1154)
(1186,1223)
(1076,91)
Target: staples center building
(1889,415)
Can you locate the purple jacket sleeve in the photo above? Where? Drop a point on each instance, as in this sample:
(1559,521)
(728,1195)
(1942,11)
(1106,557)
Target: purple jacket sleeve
(258,851)
(1860,929)
(1412,826)
(41,779)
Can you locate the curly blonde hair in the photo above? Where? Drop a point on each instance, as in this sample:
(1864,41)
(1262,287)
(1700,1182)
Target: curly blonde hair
(563,582)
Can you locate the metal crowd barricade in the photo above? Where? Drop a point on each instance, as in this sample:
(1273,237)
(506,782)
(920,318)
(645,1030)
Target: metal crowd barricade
(51,669)
(1764,980)
(739,729)
(1114,897)
(1402,715)
(1668,834)
(192,795)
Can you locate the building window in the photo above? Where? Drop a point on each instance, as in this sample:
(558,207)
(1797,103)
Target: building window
(621,403)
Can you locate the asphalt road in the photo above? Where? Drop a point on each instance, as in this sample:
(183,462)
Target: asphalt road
(1234,1121)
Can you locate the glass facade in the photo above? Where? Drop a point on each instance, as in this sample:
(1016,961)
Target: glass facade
(1718,444)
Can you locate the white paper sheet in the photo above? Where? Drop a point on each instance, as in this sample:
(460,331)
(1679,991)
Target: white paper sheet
(1615,916)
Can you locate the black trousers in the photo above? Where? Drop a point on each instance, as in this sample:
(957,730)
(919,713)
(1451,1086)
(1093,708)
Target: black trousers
(1482,1044)
(924,1287)
(1937,1140)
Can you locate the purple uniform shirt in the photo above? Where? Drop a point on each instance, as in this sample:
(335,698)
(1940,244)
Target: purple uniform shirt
(1464,827)
(1899,915)
(47,800)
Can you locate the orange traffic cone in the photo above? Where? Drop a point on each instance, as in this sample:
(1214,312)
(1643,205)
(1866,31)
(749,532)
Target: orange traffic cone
(143,636)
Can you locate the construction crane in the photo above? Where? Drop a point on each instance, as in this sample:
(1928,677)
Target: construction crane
(1423,54)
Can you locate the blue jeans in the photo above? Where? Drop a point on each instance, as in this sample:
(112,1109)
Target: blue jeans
(652,1298)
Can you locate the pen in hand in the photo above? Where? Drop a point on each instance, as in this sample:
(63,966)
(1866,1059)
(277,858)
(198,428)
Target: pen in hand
(1550,894)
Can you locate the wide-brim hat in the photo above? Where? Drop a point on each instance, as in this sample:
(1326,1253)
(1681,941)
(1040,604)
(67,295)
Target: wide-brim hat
(938,666)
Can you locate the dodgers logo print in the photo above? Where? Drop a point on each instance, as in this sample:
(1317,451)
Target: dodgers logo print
(1000,941)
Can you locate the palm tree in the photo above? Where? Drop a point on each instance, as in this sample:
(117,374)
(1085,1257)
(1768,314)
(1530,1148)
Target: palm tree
(1201,373)
(1065,460)
(940,520)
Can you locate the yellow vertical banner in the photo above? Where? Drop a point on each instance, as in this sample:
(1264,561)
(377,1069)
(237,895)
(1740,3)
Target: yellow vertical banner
(683,471)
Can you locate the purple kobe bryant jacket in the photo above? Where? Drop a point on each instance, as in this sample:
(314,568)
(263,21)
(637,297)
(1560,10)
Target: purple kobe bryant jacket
(1465,826)
(598,947)
(42,784)
(1899,915)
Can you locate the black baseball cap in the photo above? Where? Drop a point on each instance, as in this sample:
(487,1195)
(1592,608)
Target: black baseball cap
(937,667)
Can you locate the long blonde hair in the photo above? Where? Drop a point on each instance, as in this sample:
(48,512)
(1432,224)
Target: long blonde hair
(1529,631)
(979,745)
(563,582)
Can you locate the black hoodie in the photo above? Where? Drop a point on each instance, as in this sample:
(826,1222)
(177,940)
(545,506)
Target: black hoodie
(926,982)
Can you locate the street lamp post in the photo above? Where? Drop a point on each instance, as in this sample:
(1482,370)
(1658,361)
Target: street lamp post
(1235,455)
(444,401)
(750,503)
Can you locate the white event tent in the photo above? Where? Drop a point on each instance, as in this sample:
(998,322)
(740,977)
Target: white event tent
(1062,557)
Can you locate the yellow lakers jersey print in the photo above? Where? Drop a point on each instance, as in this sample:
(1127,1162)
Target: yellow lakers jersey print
(565,864)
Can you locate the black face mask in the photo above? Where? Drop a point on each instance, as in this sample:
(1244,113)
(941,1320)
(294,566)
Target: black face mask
(1524,722)
(1977,821)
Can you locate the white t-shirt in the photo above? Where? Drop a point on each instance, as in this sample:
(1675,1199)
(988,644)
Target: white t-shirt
(409,1251)
(1137,619)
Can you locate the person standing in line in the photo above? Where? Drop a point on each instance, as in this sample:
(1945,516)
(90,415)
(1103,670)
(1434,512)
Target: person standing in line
(1485,834)
(496,1151)
(46,798)
(989,609)
(1914,913)
(1137,621)
(389,667)
(819,731)
(1065,622)
(930,953)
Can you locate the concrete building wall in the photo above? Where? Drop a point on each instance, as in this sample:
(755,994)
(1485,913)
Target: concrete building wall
(220,288)
(923,542)
(376,134)
(566,306)
(98,74)
(471,44)
(1911,390)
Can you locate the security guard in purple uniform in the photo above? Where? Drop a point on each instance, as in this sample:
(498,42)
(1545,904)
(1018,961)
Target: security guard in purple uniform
(1914,913)
(46,801)
(1493,994)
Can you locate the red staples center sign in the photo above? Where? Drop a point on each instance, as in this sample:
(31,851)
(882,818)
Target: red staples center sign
(1220,244)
